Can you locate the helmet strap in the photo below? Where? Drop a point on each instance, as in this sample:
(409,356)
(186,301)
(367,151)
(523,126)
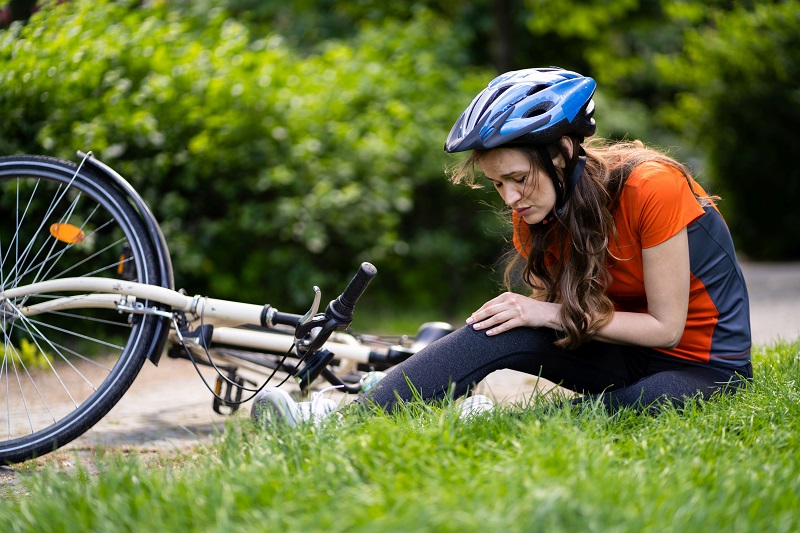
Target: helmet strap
(562,193)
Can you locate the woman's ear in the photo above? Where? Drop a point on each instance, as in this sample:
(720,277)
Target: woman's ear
(569,147)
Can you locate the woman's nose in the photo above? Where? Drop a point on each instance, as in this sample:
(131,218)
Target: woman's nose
(511,194)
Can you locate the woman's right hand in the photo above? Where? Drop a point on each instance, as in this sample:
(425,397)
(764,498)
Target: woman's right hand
(511,310)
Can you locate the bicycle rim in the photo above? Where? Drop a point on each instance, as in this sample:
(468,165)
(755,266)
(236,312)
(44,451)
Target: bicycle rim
(62,371)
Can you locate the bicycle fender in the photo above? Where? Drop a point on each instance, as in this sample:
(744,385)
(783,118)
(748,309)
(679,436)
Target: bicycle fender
(165,273)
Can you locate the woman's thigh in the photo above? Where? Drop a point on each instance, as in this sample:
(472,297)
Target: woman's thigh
(463,358)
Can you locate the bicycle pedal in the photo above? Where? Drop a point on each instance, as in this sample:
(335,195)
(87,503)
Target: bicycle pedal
(229,402)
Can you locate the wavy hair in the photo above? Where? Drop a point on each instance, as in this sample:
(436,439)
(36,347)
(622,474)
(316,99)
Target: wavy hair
(567,260)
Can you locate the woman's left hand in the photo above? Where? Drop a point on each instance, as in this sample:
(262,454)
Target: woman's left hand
(511,310)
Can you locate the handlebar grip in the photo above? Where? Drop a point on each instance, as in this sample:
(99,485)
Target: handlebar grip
(286,319)
(341,309)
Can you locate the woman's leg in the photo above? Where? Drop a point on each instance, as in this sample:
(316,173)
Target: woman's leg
(464,357)
(672,382)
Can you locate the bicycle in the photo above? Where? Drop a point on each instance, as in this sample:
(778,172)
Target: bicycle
(87,295)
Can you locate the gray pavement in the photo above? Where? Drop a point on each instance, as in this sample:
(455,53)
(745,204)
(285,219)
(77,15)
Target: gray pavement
(774,290)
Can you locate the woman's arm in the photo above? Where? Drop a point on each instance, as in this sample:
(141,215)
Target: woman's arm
(666,281)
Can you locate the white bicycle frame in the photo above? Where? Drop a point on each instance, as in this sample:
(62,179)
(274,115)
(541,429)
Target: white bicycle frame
(227,317)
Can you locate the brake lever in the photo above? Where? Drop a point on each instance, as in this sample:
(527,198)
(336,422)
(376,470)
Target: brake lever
(314,308)
(310,321)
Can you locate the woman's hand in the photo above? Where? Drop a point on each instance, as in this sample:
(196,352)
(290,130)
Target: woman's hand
(511,310)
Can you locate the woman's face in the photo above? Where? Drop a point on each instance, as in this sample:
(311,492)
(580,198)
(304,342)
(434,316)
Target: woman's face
(528,191)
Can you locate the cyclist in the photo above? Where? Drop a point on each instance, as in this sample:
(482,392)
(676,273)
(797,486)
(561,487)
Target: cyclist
(634,296)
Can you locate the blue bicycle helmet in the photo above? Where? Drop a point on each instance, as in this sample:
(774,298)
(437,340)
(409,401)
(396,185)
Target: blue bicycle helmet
(533,106)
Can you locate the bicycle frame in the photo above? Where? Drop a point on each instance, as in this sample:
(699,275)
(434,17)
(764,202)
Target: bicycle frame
(226,316)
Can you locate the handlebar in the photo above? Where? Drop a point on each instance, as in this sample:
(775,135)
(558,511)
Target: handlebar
(338,314)
(341,309)
(313,329)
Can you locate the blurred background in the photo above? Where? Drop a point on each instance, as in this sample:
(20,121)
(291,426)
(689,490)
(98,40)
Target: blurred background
(282,143)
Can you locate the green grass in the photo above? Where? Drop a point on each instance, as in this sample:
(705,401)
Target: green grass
(726,465)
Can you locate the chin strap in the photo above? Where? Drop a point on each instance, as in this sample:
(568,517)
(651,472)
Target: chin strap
(562,193)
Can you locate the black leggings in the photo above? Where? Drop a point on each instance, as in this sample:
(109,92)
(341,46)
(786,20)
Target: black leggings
(617,375)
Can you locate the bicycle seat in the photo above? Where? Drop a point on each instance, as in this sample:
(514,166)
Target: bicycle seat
(429,332)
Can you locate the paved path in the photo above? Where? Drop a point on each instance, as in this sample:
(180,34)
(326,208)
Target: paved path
(169,406)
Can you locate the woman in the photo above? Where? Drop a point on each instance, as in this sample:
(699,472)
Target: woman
(634,294)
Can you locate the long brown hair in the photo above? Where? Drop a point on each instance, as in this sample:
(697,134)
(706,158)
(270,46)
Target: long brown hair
(567,260)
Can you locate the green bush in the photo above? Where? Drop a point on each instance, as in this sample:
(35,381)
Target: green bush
(270,170)
(24,353)
(740,76)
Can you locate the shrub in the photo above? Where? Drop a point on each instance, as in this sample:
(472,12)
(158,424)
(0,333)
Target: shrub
(740,100)
(269,169)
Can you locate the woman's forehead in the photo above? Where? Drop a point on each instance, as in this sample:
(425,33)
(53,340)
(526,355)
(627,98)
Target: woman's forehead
(500,162)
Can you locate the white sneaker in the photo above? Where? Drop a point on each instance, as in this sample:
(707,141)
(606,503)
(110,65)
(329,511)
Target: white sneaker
(474,406)
(275,406)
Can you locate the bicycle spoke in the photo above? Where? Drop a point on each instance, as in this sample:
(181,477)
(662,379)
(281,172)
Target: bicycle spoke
(22,393)
(109,266)
(35,339)
(82,357)
(62,252)
(14,244)
(64,220)
(72,333)
(91,319)
(8,395)
(20,260)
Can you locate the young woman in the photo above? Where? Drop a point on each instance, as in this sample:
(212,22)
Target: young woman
(634,293)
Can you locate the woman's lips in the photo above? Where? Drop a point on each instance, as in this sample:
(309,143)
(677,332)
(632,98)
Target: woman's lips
(522,211)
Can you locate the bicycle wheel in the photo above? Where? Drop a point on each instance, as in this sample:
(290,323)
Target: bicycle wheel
(61,371)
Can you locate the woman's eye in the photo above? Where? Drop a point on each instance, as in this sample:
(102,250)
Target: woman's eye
(520,179)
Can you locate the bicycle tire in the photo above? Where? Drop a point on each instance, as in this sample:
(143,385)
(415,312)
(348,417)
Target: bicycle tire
(63,371)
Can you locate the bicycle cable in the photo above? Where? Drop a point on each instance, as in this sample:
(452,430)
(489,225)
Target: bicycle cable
(222,375)
(274,370)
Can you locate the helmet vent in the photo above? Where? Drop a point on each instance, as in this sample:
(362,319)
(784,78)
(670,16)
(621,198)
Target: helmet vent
(494,97)
(536,88)
(539,109)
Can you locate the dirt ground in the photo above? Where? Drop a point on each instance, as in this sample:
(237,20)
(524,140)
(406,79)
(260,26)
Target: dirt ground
(169,408)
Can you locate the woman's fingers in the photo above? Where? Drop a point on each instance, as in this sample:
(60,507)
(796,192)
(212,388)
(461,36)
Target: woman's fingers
(498,323)
(500,314)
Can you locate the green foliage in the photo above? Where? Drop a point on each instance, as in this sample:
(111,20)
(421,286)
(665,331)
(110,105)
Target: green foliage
(738,77)
(584,20)
(269,169)
(615,43)
(729,464)
(722,75)
(26,354)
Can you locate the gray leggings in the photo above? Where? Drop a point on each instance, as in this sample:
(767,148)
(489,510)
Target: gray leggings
(617,375)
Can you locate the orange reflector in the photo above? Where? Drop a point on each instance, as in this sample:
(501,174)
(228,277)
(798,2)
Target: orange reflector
(67,233)
(121,264)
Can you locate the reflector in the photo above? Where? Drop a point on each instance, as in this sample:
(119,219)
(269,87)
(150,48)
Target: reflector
(67,233)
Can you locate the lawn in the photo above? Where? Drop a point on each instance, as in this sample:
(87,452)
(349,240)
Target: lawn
(726,465)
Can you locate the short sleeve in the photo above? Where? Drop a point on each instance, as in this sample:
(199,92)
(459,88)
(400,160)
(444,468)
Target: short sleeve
(663,203)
